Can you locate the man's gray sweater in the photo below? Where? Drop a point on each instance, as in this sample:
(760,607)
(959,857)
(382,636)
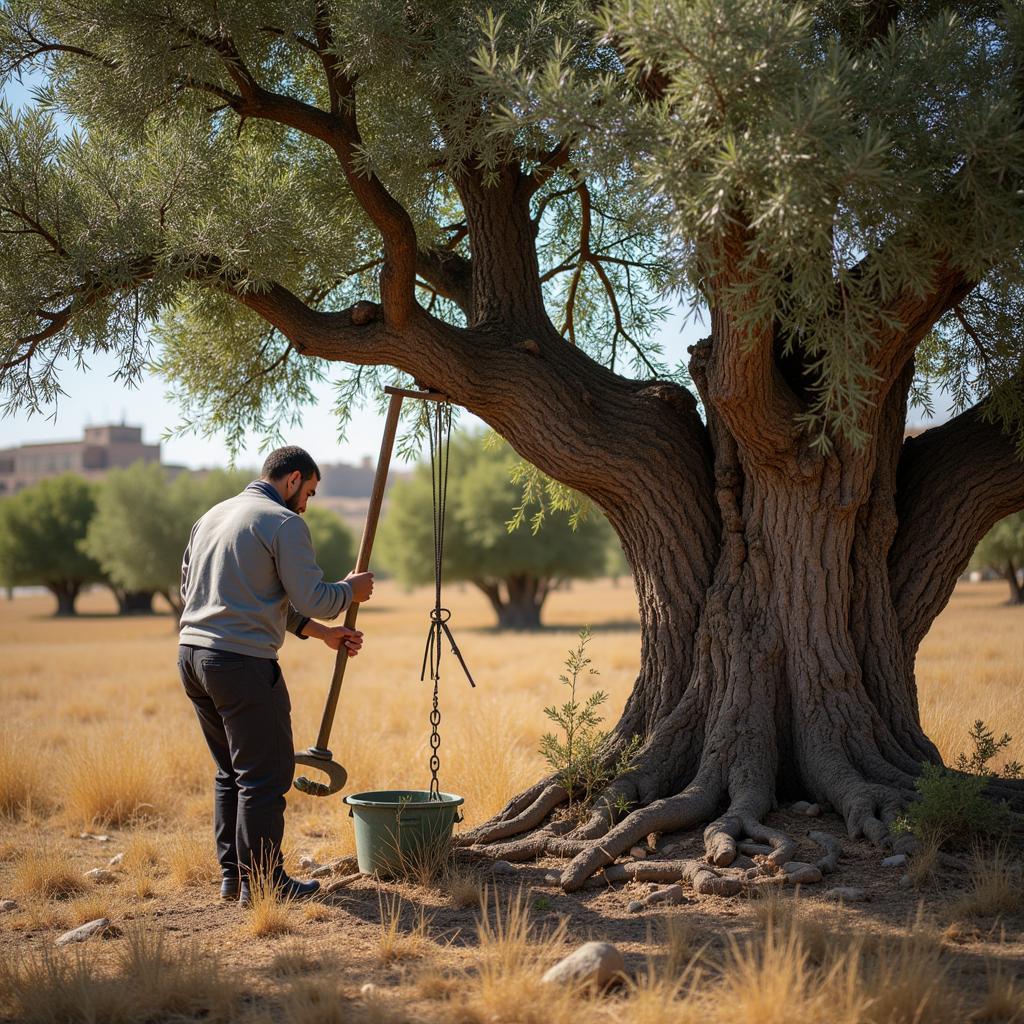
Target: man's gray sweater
(249,573)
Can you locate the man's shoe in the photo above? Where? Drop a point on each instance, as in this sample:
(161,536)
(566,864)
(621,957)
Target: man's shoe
(285,888)
(229,887)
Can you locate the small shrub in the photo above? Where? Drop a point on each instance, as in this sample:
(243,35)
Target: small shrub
(997,887)
(953,807)
(578,755)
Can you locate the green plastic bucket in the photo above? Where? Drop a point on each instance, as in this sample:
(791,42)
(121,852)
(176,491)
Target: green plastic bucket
(398,827)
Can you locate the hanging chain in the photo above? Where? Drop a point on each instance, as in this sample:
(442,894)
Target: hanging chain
(440,433)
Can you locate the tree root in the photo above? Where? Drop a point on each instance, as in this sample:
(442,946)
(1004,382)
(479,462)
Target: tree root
(832,848)
(705,880)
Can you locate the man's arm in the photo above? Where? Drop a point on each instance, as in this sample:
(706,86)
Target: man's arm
(303,580)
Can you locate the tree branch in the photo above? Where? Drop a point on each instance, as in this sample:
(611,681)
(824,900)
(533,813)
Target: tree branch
(954,482)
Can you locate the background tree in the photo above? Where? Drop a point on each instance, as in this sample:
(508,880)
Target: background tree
(142,524)
(284,191)
(332,541)
(516,570)
(1002,550)
(41,528)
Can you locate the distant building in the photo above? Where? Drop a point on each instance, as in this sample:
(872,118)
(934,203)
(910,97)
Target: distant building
(100,450)
(342,481)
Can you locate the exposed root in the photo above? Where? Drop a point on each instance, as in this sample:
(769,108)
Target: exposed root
(704,879)
(532,815)
(519,815)
(695,804)
(832,848)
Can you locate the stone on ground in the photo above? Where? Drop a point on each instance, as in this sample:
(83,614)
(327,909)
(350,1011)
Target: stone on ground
(502,867)
(907,844)
(101,876)
(7,905)
(307,863)
(847,893)
(634,906)
(800,807)
(798,873)
(116,859)
(101,926)
(594,964)
(94,837)
(670,894)
(897,861)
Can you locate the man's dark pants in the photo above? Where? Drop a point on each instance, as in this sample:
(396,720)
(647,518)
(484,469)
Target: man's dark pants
(243,708)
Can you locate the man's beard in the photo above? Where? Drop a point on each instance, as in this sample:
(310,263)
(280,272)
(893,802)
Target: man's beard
(293,502)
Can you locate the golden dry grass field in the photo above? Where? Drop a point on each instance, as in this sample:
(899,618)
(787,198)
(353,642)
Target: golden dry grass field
(96,737)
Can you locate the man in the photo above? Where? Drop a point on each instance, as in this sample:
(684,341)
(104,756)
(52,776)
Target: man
(248,574)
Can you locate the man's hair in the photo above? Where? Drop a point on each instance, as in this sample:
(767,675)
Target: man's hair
(285,461)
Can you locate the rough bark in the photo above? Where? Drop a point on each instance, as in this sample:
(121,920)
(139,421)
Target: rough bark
(1016,589)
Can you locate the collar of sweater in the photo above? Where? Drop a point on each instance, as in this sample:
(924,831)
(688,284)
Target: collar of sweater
(267,490)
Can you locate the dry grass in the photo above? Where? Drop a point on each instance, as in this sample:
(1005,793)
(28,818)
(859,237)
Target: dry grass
(267,915)
(21,784)
(49,872)
(397,939)
(138,764)
(110,782)
(151,981)
(997,887)
(191,860)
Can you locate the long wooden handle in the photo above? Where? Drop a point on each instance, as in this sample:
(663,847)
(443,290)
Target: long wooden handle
(380,479)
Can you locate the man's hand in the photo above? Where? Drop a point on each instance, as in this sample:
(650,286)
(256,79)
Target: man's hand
(361,584)
(335,636)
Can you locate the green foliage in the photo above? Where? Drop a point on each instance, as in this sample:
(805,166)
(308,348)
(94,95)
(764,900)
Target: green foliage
(332,542)
(41,528)
(986,747)
(479,546)
(1003,544)
(578,754)
(827,164)
(952,807)
(143,519)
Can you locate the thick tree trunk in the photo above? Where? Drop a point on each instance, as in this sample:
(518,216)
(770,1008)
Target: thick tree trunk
(520,606)
(1016,589)
(66,594)
(133,602)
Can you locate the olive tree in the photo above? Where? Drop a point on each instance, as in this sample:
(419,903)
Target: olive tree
(515,569)
(494,207)
(41,530)
(1002,550)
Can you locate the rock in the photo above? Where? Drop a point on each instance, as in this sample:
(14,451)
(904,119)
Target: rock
(906,844)
(7,905)
(670,894)
(307,863)
(848,894)
(813,810)
(638,852)
(905,882)
(634,906)
(800,807)
(116,859)
(552,878)
(101,876)
(502,867)
(101,926)
(368,991)
(807,874)
(594,964)
(94,837)
(897,861)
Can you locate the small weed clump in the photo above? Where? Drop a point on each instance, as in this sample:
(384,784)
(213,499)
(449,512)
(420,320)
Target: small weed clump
(953,808)
(578,756)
